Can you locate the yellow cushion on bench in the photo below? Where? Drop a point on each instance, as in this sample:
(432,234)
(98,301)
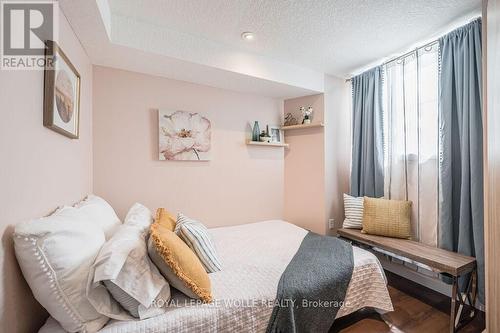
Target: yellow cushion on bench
(389,218)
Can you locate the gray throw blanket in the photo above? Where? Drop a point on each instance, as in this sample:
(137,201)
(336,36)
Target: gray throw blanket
(313,286)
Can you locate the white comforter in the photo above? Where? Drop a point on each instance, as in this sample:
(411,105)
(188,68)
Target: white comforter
(253,256)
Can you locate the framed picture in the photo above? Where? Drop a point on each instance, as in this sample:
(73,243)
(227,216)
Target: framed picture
(61,105)
(276,134)
(183,136)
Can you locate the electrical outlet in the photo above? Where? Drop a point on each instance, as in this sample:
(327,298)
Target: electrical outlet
(331,223)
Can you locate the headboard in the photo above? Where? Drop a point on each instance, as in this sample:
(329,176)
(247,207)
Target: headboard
(20,312)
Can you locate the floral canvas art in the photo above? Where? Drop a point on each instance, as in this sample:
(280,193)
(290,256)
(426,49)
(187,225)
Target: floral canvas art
(183,136)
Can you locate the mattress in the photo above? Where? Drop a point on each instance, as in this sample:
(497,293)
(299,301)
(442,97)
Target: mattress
(253,257)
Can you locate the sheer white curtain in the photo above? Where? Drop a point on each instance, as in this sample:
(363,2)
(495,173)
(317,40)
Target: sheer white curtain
(411,139)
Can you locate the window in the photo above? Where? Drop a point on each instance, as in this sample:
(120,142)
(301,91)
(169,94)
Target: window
(411,137)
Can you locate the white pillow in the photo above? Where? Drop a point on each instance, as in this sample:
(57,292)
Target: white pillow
(51,326)
(353,207)
(100,213)
(139,216)
(55,254)
(123,273)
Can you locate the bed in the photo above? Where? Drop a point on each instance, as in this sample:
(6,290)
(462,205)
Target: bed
(254,256)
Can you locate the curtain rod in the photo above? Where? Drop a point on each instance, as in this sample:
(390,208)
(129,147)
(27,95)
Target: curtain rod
(405,55)
(416,49)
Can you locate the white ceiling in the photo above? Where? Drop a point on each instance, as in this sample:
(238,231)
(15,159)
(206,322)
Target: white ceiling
(297,41)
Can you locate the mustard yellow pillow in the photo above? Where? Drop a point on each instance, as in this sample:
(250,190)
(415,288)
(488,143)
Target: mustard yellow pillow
(389,218)
(166,219)
(178,263)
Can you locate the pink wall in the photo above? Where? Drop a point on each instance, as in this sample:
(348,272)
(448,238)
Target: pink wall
(240,184)
(304,168)
(40,170)
(317,164)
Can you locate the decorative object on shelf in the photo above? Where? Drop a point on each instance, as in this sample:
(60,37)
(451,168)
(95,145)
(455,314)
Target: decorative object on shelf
(276,134)
(61,105)
(183,136)
(256,131)
(307,114)
(290,120)
(264,136)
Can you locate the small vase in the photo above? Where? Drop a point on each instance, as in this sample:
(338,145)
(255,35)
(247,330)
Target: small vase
(307,121)
(256,131)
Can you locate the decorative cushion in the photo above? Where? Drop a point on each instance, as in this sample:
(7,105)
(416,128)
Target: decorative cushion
(353,208)
(123,273)
(178,263)
(123,298)
(100,213)
(389,218)
(166,219)
(55,254)
(196,236)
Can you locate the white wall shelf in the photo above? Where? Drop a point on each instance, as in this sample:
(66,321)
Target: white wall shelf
(269,144)
(291,127)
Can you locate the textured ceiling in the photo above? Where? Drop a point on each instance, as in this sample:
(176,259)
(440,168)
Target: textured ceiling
(297,41)
(127,43)
(334,37)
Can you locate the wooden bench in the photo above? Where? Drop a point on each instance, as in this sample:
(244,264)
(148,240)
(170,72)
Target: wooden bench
(441,261)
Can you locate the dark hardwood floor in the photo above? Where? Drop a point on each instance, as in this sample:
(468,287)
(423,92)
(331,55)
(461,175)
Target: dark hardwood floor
(417,309)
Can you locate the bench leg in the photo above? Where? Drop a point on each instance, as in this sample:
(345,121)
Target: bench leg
(473,293)
(454,288)
(457,320)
